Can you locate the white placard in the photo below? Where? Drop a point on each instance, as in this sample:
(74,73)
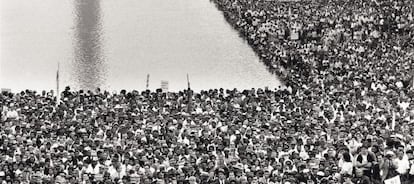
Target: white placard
(393,180)
(164,86)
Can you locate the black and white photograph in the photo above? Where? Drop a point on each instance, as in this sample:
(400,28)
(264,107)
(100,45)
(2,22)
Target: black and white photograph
(207,92)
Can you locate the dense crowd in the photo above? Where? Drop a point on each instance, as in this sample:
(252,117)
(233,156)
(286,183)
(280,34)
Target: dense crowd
(329,41)
(341,56)
(344,115)
(215,136)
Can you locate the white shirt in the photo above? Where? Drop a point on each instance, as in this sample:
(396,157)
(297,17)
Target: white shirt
(404,105)
(403,165)
(347,168)
(93,170)
(116,174)
(12,114)
(304,155)
(411,169)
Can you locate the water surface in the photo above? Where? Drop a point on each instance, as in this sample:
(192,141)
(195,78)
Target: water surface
(115,44)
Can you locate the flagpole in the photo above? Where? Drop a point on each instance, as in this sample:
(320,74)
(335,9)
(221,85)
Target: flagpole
(148,76)
(188,81)
(57,85)
(189,96)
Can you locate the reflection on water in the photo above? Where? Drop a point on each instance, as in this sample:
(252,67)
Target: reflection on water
(89,61)
(115,44)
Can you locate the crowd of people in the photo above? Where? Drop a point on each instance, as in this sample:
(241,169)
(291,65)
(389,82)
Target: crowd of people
(340,55)
(215,136)
(329,40)
(344,115)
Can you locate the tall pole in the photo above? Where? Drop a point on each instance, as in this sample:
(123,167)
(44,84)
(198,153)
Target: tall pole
(57,85)
(148,76)
(189,108)
(188,82)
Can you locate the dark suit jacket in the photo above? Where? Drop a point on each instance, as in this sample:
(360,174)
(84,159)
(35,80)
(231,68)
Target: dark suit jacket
(217,181)
(362,180)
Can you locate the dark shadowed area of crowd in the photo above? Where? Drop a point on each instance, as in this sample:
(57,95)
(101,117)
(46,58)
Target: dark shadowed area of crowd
(345,115)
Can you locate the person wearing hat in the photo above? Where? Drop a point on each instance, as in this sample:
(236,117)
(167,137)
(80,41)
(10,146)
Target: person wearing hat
(204,178)
(222,178)
(387,166)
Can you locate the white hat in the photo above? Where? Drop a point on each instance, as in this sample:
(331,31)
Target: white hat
(389,152)
(320,173)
